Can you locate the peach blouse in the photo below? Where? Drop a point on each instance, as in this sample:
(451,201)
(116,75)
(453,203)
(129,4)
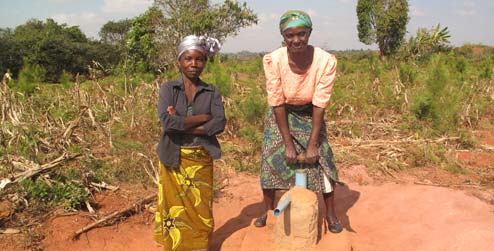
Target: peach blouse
(286,87)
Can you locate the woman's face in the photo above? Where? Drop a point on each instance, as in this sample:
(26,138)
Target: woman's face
(191,63)
(297,38)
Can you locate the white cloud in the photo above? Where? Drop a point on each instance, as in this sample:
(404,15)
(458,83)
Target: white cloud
(467,8)
(88,22)
(126,6)
(91,22)
(416,11)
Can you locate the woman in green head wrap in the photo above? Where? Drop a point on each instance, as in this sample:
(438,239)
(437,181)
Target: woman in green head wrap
(294,18)
(299,83)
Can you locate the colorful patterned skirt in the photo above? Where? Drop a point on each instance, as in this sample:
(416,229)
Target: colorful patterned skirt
(275,172)
(184,217)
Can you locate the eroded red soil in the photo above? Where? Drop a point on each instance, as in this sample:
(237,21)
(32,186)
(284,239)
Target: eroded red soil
(376,217)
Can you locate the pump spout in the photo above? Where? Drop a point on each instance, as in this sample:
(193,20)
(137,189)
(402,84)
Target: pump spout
(300,181)
(282,205)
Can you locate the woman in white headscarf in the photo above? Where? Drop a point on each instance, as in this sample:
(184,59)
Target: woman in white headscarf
(191,114)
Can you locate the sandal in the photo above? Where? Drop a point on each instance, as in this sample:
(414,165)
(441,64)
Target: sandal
(335,227)
(261,221)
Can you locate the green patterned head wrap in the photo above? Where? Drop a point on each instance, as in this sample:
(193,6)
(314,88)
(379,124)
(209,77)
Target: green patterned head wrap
(294,18)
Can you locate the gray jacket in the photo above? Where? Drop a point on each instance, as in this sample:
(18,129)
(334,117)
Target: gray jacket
(207,100)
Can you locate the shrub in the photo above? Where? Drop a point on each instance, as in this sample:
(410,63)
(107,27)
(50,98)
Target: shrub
(29,77)
(57,192)
(251,134)
(219,76)
(486,70)
(461,65)
(252,107)
(65,79)
(408,73)
(440,100)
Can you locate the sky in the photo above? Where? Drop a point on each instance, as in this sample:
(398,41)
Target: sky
(334,21)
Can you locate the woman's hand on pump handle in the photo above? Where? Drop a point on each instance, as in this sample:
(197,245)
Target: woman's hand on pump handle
(311,155)
(290,154)
(304,158)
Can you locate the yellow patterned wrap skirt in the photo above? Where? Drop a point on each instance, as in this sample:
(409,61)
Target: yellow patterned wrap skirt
(184,217)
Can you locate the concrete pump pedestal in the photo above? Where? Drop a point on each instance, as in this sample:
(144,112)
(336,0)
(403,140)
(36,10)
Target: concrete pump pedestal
(296,226)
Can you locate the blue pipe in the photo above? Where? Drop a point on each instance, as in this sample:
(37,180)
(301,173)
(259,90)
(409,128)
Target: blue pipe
(301,181)
(301,178)
(281,206)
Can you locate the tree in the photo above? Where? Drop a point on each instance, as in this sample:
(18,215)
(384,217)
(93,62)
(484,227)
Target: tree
(53,47)
(10,57)
(142,48)
(179,18)
(382,22)
(115,32)
(112,48)
(427,41)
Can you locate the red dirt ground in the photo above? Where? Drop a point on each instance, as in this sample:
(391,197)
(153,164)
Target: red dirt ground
(384,216)
(389,216)
(375,217)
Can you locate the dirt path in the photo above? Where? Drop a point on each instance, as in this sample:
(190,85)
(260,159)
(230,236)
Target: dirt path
(375,217)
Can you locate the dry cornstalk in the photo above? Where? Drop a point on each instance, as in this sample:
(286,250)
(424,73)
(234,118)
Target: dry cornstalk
(104,186)
(89,207)
(36,168)
(429,184)
(10,231)
(446,185)
(154,172)
(91,116)
(132,209)
(487,148)
(386,143)
(70,128)
(386,170)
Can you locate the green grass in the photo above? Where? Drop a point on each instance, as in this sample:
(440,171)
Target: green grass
(454,168)
(58,191)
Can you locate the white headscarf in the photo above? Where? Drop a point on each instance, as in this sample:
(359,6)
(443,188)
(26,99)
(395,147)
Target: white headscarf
(207,45)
